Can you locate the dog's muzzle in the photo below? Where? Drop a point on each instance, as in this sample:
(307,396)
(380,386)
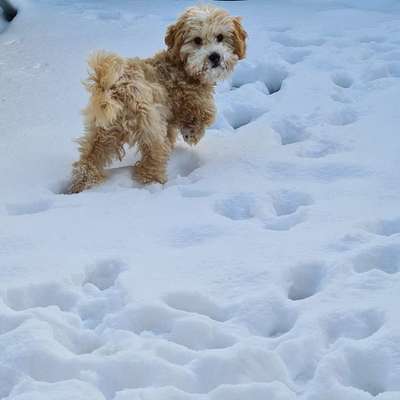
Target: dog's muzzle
(215,59)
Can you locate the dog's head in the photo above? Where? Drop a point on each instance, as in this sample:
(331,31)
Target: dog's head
(208,41)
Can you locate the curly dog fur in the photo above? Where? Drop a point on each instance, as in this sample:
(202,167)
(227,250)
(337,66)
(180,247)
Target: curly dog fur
(146,102)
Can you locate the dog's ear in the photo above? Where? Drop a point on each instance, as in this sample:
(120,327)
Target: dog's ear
(170,36)
(239,38)
(174,35)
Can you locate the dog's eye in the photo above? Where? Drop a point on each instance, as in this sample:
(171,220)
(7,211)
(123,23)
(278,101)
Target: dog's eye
(198,40)
(220,37)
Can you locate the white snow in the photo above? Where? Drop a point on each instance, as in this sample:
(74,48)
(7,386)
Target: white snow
(268,267)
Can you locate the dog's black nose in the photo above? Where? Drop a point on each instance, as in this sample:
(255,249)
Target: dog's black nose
(215,59)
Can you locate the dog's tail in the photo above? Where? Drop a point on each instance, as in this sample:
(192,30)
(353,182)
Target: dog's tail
(104,106)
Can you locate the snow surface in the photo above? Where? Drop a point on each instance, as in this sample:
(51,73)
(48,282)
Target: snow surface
(268,267)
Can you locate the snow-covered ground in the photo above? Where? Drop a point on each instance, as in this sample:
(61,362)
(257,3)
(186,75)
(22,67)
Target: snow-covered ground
(268,267)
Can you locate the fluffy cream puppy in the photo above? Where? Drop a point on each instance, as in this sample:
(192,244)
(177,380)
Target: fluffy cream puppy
(146,102)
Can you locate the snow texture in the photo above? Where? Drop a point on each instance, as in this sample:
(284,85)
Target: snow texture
(268,267)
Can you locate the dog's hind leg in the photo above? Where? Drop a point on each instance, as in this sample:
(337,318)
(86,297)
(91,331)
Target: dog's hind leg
(151,137)
(105,135)
(152,166)
(155,147)
(97,149)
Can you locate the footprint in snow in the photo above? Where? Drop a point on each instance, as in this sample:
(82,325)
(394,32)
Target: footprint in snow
(286,222)
(289,208)
(355,325)
(268,317)
(242,373)
(343,116)
(238,207)
(9,377)
(31,207)
(188,319)
(369,370)
(319,149)
(109,15)
(199,334)
(291,41)
(294,56)
(10,321)
(42,295)
(324,172)
(372,39)
(183,162)
(291,130)
(342,79)
(102,295)
(381,70)
(189,192)
(11,42)
(391,56)
(104,274)
(306,280)
(196,303)
(279,28)
(47,307)
(341,97)
(350,241)
(384,227)
(272,75)
(194,235)
(383,257)
(243,105)
(149,319)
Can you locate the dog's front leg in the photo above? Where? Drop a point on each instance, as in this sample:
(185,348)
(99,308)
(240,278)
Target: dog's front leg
(198,118)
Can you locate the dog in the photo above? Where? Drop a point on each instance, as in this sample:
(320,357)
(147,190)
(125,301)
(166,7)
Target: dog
(147,102)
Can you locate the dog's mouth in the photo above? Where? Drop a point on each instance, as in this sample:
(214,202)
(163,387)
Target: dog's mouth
(214,65)
(214,71)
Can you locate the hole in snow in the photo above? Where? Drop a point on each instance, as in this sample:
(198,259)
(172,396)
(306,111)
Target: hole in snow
(272,75)
(195,303)
(287,202)
(366,369)
(385,227)
(291,131)
(199,334)
(287,40)
(42,295)
(306,280)
(342,79)
(342,117)
(32,207)
(104,274)
(385,258)
(353,325)
(269,317)
(294,56)
(237,207)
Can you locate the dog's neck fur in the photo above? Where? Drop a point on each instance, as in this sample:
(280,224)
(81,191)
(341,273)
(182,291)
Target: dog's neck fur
(185,92)
(170,63)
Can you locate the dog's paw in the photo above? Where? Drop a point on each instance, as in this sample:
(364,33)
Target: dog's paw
(192,135)
(84,176)
(145,175)
(76,186)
